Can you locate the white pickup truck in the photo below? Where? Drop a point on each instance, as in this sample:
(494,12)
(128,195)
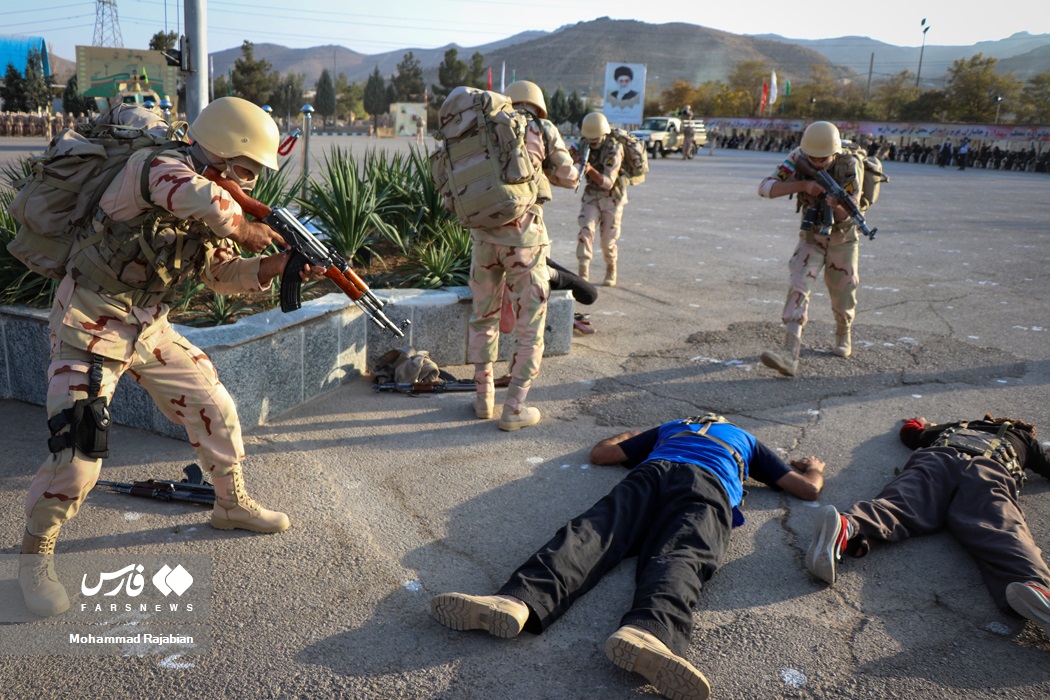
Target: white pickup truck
(663,135)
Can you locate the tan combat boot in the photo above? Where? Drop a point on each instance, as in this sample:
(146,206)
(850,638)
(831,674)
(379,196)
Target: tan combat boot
(584,270)
(610,275)
(638,651)
(43,593)
(499,615)
(485,404)
(485,400)
(235,509)
(515,413)
(843,341)
(785,360)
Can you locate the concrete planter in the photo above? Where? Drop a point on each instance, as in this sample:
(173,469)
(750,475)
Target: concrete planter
(272,362)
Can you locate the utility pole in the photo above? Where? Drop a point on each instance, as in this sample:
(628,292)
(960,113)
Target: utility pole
(196,72)
(871,68)
(926,28)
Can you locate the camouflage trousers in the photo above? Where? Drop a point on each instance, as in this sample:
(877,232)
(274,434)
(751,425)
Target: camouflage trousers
(182,382)
(604,213)
(837,257)
(521,273)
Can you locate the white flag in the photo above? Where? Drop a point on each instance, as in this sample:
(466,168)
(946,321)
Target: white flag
(773,88)
(503,78)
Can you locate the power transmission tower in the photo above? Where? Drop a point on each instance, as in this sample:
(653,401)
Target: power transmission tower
(107,26)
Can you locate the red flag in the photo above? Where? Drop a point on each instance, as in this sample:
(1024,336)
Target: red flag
(765,96)
(490,79)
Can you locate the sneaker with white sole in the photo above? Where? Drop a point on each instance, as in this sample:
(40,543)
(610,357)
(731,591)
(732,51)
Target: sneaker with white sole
(635,650)
(499,616)
(1031,601)
(829,542)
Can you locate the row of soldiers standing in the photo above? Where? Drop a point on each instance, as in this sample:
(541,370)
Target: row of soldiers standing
(29,124)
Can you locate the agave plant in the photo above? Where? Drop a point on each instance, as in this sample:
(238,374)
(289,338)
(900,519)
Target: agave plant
(276,187)
(18,284)
(442,261)
(13,172)
(219,311)
(345,206)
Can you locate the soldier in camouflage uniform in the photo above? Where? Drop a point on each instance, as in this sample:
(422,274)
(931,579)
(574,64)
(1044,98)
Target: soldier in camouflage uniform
(512,260)
(833,250)
(157,224)
(603,198)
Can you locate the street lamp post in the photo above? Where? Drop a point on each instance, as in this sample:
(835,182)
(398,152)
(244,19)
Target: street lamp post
(998,105)
(922,50)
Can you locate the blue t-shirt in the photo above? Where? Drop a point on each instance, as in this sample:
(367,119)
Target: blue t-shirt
(678,441)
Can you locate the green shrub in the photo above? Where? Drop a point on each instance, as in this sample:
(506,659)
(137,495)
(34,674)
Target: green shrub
(18,284)
(345,206)
(390,201)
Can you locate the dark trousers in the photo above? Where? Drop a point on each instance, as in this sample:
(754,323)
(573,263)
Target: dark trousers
(975,499)
(582,290)
(674,517)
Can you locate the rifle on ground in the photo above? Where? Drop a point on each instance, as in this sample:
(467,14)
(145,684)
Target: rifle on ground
(438,387)
(308,249)
(585,153)
(192,489)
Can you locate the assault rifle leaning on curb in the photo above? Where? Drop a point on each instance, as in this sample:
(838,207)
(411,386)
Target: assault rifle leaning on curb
(192,489)
(307,249)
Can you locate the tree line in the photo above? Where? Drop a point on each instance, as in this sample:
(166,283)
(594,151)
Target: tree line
(974,92)
(255,80)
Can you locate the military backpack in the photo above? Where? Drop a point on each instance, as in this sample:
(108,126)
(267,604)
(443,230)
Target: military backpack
(60,194)
(874,174)
(480,164)
(635,157)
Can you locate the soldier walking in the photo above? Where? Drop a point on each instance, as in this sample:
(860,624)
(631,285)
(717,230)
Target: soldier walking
(826,242)
(604,197)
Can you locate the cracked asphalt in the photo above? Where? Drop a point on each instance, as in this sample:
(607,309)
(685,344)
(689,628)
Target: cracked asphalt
(394,499)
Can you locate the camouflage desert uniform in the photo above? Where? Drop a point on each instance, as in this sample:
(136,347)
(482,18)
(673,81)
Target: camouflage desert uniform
(603,203)
(515,256)
(130,329)
(836,254)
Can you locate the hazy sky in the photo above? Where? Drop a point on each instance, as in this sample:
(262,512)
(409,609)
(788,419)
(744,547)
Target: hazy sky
(370,27)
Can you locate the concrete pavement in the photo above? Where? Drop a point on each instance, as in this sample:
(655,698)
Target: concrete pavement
(394,499)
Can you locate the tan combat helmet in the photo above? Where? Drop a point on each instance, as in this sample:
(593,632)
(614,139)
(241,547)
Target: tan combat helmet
(820,140)
(594,126)
(529,93)
(233,128)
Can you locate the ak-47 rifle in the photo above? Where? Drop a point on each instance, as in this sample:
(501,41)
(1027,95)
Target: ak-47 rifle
(306,248)
(585,153)
(192,489)
(840,195)
(438,387)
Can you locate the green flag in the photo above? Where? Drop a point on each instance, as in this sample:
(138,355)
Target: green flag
(787,88)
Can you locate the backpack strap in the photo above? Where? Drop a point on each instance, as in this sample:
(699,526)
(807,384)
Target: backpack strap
(706,421)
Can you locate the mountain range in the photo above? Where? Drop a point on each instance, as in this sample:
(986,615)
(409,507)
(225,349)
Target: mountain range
(574,56)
